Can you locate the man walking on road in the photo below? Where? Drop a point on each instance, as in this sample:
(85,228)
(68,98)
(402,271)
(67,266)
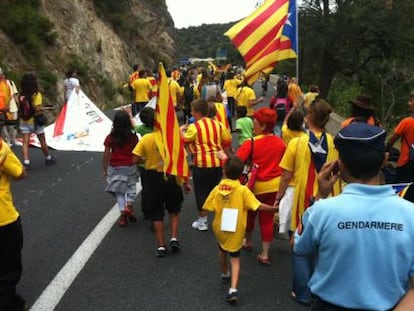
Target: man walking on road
(363,238)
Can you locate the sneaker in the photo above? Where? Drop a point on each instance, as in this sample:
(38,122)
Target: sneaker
(27,166)
(128,212)
(161,251)
(50,161)
(232,297)
(123,221)
(201,226)
(175,246)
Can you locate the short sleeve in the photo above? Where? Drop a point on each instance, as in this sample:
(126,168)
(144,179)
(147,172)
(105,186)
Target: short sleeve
(288,161)
(190,133)
(108,141)
(249,199)
(209,204)
(12,165)
(401,127)
(139,149)
(244,150)
(37,99)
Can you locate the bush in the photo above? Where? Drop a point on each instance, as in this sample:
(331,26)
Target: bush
(26,27)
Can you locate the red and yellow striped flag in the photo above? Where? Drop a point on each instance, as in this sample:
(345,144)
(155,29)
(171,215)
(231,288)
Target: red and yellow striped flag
(167,131)
(266,36)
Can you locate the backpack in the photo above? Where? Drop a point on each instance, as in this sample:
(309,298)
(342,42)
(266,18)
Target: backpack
(188,95)
(281,109)
(26,109)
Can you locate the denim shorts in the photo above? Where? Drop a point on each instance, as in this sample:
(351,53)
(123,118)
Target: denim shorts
(28,128)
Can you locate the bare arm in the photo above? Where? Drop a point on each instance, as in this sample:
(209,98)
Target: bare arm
(257,101)
(267,208)
(407,303)
(105,161)
(137,159)
(391,141)
(284,183)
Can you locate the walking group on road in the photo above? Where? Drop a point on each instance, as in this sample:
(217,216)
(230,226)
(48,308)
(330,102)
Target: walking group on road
(351,234)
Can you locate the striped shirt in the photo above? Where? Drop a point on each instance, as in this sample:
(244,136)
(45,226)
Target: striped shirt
(208,137)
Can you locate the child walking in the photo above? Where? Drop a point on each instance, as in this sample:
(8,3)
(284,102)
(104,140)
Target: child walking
(244,125)
(230,201)
(160,193)
(118,167)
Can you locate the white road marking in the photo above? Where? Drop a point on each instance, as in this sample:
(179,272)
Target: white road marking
(54,292)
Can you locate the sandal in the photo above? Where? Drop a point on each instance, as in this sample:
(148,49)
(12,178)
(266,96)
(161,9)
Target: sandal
(264,261)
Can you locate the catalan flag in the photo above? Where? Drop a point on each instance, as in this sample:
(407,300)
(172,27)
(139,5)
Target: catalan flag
(265,37)
(167,131)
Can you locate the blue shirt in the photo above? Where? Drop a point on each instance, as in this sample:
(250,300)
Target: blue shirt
(363,240)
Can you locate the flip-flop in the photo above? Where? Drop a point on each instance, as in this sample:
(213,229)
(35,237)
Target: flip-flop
(262,260)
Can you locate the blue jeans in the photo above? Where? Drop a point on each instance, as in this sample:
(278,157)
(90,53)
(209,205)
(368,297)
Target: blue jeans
(302,270)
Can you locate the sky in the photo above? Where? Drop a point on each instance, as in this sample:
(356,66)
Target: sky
(187,13)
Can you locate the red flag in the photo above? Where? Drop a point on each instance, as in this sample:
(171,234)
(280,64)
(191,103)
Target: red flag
(168,136)
(266,36)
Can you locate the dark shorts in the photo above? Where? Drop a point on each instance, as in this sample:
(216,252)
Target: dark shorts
(161,194)
(205,179)
(136,107)
(231,254)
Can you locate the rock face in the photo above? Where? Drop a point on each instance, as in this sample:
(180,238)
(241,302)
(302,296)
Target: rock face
(102,43)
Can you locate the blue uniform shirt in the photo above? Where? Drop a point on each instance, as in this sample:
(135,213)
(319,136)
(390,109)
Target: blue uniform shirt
(363,240)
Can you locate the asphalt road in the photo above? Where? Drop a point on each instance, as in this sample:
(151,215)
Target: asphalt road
(60,205)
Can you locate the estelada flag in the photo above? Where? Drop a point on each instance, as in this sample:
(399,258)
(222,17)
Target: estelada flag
(265,37)
(168,137)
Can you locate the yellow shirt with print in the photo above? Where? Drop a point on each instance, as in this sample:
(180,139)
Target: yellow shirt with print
(142,88)
(147,150)
(231,194)
(245,95)
(10,167)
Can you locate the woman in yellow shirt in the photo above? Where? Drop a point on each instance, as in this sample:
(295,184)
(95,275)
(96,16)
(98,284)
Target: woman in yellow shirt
(30,92)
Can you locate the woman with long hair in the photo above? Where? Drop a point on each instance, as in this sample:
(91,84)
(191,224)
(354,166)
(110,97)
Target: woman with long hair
(31,95)
(118,167)
(303,159)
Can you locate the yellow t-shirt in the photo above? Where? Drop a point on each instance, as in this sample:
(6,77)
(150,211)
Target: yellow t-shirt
(37,101)
(142,88)
(10,167)
(230,194)
(244,96)
(288,134)
(309,98)
(147,150)
(5,94)
(231,86)
(297,159)
(175,91)
(209,137)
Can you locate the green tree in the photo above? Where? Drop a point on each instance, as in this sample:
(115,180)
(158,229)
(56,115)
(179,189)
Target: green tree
(369,41)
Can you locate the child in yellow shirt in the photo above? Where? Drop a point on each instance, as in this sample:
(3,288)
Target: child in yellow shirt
(230,201)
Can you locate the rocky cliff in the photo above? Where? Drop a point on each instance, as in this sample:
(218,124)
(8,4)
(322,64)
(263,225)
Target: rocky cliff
(102,39)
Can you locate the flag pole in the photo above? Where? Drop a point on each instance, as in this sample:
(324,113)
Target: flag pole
(297,41)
